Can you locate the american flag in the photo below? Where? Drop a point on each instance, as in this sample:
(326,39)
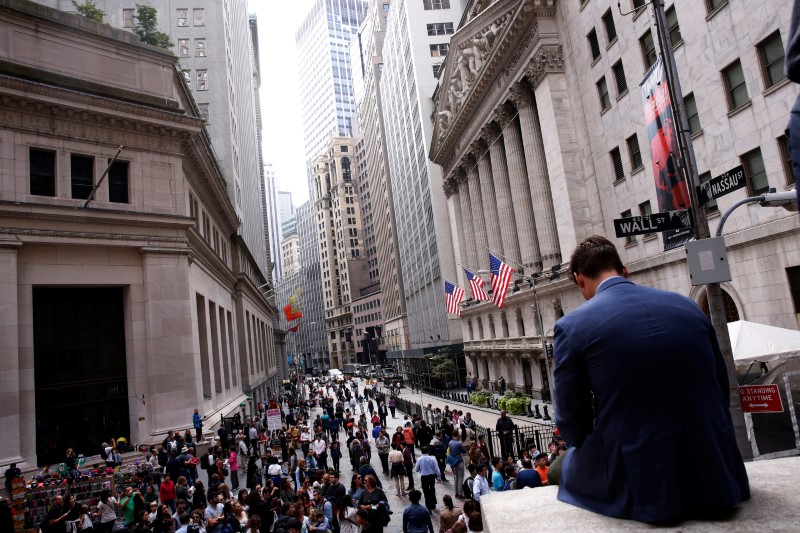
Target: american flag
(476,284)
(453,294)
(501,278)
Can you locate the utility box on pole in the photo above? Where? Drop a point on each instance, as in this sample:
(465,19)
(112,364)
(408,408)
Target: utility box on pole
(708,261)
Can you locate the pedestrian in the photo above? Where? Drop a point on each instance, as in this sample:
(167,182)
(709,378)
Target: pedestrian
(336,454)
(505,431)
(628,427)
(107,509)
(233,467)
(448,515)
(166,492)
(408,464)
(197,422)
(428,469)
(481,485)
(455,460)
(383,445)
(374,502)
(416,519)
(392,405)
(396,470)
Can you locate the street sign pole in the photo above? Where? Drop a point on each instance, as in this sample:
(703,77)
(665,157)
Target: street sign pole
(716,305)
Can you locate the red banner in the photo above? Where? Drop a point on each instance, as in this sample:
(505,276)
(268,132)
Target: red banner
(662,132)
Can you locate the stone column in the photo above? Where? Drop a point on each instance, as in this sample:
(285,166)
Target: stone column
(18,412)
(539,181)
(481,151)
(505,202)
(455,200)
(520,190)
(475,175)
(464,195)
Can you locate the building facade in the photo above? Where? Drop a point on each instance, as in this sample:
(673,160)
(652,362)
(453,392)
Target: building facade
(414,46)
(540,123)
(323,41)
(285,206)
(127,302)
(341,247)
(290,253)
(272,218)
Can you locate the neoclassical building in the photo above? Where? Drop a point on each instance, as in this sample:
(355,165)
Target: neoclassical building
(540,132)
(128,296)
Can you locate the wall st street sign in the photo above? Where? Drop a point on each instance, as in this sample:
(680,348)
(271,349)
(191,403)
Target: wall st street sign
(721,185)
(657,222)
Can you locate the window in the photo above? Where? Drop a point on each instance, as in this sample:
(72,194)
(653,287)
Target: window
(42,172)
(711,5)
(611,30)
(755,172)
(436,4)
(202,79)
(127,18)
(200,48)
(770,51)
(203,108)
(786,158)
(602,92)
(793,275)
(634,152)
(594,44)
(187,77)
(183,17)
(437,70)
(199,17)
(81,175)
(629,239)
(619,77)
(444,28)
(674,27)
(118,182)
(733,76)
(691,113)
(711,206)
(183,47)
(639,4)
(439,50)
(616,163)
(645,210)
(648,46)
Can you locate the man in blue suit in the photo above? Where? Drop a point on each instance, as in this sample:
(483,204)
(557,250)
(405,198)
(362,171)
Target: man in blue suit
(640,384)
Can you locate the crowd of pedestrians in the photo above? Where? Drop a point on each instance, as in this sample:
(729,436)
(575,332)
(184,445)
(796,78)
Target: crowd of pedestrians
(294,481)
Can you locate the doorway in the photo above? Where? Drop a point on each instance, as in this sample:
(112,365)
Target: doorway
(546,396)
(80,370)
(526,376)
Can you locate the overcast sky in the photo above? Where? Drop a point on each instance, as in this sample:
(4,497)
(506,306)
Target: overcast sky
(280,104)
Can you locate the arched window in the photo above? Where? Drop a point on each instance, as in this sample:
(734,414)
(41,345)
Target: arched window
(731,312)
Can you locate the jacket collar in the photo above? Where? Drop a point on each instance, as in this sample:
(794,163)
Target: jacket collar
(610,282)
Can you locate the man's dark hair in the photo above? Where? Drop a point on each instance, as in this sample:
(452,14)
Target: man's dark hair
(185,518)
(593,256)
(526,463)
(415,496)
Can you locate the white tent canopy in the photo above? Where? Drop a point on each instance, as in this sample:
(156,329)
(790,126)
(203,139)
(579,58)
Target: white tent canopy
(758,342)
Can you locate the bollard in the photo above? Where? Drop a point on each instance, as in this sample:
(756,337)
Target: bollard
(546,414)
(536,414)
(529,414)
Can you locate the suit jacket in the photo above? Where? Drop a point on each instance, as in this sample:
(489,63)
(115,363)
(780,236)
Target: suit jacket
(641,389)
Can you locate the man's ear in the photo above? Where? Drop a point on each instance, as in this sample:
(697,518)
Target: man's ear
(625,272)
(580,280)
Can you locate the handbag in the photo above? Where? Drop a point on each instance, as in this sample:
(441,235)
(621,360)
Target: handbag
(452,460)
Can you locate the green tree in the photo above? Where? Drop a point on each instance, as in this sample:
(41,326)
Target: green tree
(89,10)
(441,365)
(146,27)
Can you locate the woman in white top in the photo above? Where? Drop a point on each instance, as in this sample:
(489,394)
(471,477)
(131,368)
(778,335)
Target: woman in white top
(347,516)
(107,507)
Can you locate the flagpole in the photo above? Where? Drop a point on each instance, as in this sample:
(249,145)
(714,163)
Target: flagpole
(523,267)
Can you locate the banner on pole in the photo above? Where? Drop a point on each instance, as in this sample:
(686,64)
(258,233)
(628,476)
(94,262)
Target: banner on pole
(274,419)
(662,132)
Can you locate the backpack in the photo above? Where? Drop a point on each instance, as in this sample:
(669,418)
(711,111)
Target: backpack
(103,454)
(204,461)
(508,485)
(467,487)
(357,452)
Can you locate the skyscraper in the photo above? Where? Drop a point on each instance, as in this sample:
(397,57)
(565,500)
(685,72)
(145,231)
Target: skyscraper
(416,42)
(273,220)
(323,41)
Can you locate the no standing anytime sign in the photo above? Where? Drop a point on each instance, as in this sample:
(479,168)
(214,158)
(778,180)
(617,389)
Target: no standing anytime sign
(761,399)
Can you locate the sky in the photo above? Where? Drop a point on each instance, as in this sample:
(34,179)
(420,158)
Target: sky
(280,102)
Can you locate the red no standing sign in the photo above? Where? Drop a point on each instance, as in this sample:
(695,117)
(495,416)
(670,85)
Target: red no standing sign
(761,399)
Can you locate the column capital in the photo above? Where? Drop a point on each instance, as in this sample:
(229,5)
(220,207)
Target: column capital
(549,58)
(468,161)
(458,175)
(490,132)
(478,147)
(521,95)
(503,115)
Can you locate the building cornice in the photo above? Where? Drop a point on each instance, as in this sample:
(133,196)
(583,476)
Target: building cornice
(59,214)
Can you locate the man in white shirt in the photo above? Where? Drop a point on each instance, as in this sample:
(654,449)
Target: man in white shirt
(481,484)
(213,514)
(321,451)
(252,434)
